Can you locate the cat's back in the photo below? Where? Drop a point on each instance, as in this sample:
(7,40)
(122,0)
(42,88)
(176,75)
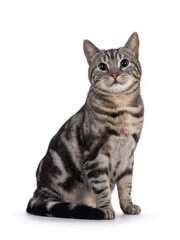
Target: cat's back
(63,154)
(70,132)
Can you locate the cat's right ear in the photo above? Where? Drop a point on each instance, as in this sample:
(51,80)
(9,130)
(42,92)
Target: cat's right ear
(133,44)
(90,50)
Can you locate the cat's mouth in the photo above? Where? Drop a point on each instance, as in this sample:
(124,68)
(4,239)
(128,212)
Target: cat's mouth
(116,85)
(115,82)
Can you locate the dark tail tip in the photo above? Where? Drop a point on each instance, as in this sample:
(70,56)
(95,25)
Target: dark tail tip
(66,210)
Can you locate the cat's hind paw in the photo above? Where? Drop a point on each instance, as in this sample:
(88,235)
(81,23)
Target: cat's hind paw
(132,209)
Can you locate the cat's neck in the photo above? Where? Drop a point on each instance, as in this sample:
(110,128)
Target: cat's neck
(114,100)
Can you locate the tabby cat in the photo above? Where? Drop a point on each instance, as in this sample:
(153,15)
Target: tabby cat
(94,149)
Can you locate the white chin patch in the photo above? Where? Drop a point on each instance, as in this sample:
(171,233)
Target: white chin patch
(122,84)
(117,87)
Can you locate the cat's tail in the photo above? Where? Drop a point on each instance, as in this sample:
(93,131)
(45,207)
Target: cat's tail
(63,210)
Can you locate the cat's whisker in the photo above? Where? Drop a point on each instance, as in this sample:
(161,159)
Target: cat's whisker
(96,89)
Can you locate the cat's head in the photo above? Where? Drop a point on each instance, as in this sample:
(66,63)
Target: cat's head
(114,70)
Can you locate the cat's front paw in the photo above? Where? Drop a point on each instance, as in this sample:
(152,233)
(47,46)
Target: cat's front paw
(108,213)
(132,209)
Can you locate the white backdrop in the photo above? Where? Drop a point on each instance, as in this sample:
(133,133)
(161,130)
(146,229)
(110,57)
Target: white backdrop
(43,76)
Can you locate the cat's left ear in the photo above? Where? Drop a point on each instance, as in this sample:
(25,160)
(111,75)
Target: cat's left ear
(90,50)
(133,44)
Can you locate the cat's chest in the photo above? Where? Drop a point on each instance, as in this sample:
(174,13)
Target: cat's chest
(120,147)
(125,123)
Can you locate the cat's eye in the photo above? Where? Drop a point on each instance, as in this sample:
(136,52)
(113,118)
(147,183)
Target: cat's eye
(103,67)
(124,63)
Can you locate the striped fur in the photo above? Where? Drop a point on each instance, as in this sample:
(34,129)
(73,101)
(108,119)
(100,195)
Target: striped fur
(94,149)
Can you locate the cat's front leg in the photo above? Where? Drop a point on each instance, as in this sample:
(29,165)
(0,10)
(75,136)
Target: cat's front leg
(124,186)
(97,172)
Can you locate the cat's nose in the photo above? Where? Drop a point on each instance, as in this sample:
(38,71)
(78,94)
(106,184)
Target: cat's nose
(115,75)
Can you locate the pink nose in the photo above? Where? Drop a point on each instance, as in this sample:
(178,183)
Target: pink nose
(115,75)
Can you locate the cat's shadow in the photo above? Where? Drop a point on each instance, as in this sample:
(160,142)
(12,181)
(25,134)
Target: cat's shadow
(120,217)
(127,217)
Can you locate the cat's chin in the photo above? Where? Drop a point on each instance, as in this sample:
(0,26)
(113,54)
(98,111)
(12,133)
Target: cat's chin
(116,88)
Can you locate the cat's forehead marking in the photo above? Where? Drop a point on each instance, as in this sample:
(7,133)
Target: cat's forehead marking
(111,53)
(115,54)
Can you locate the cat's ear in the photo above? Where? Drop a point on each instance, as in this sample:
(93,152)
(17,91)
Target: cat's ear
(90,50)
(133,44)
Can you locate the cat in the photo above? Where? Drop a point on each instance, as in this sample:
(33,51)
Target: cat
(94,149)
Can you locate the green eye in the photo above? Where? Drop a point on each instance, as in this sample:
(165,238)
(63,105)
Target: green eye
(103,67)
(124,63)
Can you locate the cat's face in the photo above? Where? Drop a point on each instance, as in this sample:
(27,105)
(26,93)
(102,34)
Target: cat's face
(114,70)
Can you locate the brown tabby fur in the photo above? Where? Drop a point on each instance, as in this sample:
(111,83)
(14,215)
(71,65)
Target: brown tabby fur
(94,149)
